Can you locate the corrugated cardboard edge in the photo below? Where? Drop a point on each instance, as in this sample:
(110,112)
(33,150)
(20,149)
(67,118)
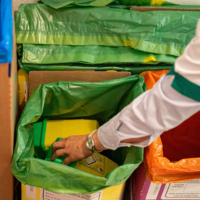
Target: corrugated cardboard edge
(14,88)
(152,8)
(40,77)
(8,113)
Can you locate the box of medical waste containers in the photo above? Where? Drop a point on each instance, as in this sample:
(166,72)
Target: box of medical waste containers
(110,96)
(97,164)
(30,192)
(45,133)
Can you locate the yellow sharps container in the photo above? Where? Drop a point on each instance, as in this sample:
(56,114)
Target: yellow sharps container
(47,131)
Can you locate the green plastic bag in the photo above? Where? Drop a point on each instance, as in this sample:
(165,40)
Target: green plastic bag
(55,54)
(68,100)
(19,51)
(118,5)
(157,32)
(134,69)
(66,3)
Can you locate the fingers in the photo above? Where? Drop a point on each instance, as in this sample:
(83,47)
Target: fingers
(68,160)
(58,145)
(58,153)
(74,147)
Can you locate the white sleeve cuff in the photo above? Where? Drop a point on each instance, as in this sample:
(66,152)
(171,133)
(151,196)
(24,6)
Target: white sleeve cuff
(108,136)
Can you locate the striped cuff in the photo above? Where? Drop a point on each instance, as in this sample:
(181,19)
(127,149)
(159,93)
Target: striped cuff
(184,86)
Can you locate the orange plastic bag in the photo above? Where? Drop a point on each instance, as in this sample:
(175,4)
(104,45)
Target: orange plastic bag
(151,77)
(159,168)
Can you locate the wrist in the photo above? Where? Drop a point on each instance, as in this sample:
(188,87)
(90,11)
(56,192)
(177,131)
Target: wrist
(97,144)
(86,149)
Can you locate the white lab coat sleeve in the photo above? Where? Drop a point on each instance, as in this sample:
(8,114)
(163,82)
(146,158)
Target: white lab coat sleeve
(173,99)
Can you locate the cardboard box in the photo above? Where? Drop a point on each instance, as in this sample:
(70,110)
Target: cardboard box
(28,83)
(39,77)
(8,114)
(143,189)
(160,8)
(16,3)
(111,193)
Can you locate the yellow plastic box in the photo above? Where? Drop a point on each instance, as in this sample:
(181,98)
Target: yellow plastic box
(47,131)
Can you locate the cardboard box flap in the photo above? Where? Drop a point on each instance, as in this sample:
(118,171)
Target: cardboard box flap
(161,8)
(40,77)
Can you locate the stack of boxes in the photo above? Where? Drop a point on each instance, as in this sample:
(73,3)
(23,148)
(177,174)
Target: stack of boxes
(8,115)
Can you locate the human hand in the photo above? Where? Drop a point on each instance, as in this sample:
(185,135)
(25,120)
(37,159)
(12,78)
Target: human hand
(75,148)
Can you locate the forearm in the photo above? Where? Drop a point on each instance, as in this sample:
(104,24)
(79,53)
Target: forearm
(99,146)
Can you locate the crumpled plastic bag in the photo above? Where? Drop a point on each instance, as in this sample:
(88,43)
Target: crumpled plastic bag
(151,77)
(55,54)
(134,69)
(69,3)
(160,32)
(69,100)
(159,168)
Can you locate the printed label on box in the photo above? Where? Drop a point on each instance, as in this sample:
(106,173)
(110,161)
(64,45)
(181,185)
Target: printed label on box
(31,192)
(182,190)
(95,162)
(56,196)
(153,191)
